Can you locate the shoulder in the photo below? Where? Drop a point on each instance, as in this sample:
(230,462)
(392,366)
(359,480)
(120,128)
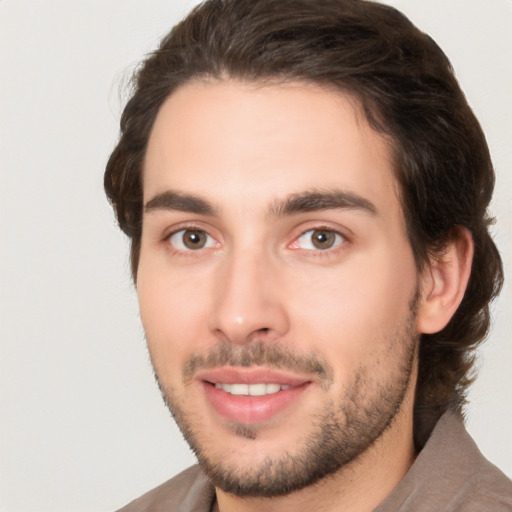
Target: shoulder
(451,475)
(188,491)
(473,483)
(485,488)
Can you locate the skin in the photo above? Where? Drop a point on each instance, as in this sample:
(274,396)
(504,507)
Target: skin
(244,151)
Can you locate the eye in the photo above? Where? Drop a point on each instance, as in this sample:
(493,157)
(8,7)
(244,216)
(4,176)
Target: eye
(191,240)
(319,240)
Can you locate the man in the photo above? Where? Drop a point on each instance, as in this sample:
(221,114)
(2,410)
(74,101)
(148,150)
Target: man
(306,190)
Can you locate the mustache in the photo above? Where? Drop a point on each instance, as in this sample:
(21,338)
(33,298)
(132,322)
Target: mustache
(258,353)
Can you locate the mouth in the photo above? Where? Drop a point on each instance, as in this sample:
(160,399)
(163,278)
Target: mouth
(259,389)
(251,395)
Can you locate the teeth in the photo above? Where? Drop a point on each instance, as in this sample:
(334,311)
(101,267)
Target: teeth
(239,389)
(251,389)
(259,390)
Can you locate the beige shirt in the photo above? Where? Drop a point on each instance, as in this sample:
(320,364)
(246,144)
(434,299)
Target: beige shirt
(449,475)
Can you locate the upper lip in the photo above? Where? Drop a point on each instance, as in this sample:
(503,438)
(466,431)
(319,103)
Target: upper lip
(256,375)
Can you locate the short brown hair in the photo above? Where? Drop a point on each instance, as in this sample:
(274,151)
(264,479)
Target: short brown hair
(407,88)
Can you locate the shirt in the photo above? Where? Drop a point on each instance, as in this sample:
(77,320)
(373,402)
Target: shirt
(449,475)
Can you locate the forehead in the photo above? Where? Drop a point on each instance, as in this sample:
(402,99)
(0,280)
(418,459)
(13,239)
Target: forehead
(239,142)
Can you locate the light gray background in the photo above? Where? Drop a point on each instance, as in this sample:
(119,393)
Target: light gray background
(82,426)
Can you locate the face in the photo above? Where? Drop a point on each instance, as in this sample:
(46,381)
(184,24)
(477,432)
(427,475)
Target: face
(276,282)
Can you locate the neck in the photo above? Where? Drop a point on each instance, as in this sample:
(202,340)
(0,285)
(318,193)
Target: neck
(359,486)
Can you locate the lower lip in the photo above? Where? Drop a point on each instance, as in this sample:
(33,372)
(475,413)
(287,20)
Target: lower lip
(251,409)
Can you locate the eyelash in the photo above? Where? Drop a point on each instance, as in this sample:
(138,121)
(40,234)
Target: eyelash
(167,239)
(340,240)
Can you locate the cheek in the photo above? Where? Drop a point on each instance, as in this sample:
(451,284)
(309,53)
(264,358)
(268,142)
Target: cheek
(352,314)
(173,315)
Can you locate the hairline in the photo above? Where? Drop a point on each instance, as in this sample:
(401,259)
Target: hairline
(359,103)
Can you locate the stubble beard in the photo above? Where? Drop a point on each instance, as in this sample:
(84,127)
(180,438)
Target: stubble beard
(341,431)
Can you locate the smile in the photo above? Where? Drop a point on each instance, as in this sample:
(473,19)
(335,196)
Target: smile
(251,395)
(259,389)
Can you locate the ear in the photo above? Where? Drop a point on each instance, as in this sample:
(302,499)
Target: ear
(444,282)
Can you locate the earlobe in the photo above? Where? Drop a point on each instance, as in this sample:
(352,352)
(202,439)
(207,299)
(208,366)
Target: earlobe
(444,283)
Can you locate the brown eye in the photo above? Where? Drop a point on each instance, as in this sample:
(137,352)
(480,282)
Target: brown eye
(323,239)
(191,240)
(194,239)
(319,239)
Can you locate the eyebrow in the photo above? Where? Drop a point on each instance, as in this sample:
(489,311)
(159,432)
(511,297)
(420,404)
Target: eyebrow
(317,200)
(171,200)
(307,201)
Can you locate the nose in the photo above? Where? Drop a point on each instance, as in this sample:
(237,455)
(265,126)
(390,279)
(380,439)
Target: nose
(248,304)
